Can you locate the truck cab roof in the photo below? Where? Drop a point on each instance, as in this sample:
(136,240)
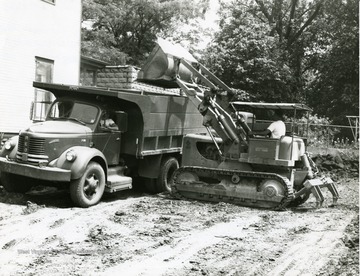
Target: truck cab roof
(273,106)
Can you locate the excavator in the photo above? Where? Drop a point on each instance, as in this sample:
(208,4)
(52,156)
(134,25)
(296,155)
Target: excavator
(231,164)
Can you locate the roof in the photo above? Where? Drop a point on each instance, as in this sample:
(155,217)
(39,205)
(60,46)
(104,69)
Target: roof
(93,62)
(282,106)
(67,89)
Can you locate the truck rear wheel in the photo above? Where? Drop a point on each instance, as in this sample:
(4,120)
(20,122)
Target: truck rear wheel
(15,183)
(168,166)
(88,189)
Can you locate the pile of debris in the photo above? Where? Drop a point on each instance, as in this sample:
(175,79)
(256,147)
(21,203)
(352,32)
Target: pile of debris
(340,164)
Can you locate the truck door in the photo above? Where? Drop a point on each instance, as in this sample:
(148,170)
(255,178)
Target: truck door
(107,139)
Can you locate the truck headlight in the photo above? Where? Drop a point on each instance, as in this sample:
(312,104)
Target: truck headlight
(70,155)
(9,145)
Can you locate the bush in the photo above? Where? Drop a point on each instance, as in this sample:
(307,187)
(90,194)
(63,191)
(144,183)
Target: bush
(321,133)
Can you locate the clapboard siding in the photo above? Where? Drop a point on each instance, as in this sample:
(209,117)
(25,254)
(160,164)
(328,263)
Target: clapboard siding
(29,29)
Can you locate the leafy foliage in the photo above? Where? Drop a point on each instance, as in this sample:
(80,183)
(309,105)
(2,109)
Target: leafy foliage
(296,50)
(125,30)
(336,68)
(245,57)
(318,129)
(260,47)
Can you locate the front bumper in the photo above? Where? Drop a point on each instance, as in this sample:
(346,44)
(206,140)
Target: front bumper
(43,173)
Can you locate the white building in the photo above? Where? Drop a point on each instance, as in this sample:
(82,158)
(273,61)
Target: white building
(39,40)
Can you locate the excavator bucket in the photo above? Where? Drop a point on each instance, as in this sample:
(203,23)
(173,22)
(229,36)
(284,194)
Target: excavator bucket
(161,67)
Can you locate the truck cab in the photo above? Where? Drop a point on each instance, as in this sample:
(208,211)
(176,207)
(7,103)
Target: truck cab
(59,149)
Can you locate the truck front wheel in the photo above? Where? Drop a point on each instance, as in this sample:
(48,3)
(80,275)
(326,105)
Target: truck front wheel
(168,166)
(88,189)
(15,183)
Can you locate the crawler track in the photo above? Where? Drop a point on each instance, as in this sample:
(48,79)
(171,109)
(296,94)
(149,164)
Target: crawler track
(245,188)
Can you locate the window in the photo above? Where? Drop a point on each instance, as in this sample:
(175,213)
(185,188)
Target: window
(42,99)
(79,112)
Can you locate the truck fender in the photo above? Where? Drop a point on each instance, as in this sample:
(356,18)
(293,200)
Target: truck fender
(12,152)
(83,156)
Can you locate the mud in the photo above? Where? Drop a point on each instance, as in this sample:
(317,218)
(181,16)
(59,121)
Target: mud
(134,233)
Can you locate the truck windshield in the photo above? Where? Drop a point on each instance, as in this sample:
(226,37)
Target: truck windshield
(68,110)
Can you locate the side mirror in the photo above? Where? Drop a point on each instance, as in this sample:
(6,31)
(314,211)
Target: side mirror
(121,120)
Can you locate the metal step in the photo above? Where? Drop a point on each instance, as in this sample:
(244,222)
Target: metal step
(117,181)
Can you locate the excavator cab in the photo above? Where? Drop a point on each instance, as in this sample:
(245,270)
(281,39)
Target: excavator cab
(286,150)
(229,164)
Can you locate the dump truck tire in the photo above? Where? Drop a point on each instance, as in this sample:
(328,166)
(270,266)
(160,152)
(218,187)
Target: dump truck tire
(150,185)
(88,189)
(15,183)
(168,166)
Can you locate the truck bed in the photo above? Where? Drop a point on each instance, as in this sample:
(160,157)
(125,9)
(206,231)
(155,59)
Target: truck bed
(156,122)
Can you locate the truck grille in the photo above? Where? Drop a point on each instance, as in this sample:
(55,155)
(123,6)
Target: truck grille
(31,150)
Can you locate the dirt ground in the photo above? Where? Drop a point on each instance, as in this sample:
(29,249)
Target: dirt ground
(134,233)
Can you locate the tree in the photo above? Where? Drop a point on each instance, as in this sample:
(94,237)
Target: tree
(125,30)
(289,19)
(334,90)
(265,41)
(245,57)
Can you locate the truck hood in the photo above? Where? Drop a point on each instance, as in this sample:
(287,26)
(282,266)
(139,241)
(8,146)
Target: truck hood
(58,127)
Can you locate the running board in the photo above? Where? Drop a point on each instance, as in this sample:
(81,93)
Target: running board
(116,181)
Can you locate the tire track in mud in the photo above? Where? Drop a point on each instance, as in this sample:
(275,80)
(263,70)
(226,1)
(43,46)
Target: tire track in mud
(310,255)
(259,240)
(29,231)
(157,235)
(27,236)
(164,260)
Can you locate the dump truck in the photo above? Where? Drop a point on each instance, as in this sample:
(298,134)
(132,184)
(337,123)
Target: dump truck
(75,148)
(231,164)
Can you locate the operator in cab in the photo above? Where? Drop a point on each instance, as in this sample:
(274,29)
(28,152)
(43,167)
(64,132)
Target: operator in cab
(276,129)
(107,123)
